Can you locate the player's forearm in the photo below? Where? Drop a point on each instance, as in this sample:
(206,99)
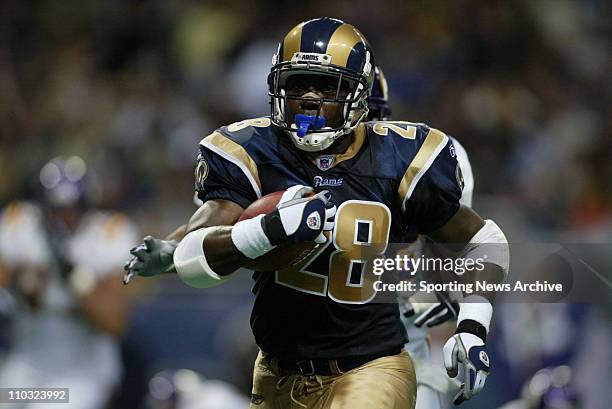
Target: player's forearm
(218,249)
(207,256)
(205,250)
(483,240)
(491,274)
(212,251)
(221,253)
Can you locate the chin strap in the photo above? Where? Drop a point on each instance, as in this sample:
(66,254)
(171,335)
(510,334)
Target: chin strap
(306,122)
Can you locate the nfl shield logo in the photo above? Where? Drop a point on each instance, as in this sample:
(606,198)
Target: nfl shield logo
(484,358)
(313,221)
(325,162)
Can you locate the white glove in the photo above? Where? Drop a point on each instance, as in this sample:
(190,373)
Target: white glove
(465,355)
(299,217)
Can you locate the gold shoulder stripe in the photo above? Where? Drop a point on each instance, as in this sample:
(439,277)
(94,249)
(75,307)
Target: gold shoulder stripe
(341,44)
(355,147)
(292,42)
(434,142)
(233,152)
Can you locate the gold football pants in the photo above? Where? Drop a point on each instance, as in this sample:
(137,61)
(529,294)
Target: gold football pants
(384,383)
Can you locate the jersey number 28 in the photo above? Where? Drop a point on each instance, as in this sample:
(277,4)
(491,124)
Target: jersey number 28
(360,233)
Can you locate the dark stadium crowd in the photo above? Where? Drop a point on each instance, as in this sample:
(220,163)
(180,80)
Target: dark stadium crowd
(133,86)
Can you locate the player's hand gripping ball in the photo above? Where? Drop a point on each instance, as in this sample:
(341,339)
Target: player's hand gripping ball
(296,220)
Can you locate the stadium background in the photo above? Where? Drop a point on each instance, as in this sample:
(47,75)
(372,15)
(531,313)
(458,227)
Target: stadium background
(132,86)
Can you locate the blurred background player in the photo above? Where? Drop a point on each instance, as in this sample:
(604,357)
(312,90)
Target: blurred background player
(432,381)
(60,260)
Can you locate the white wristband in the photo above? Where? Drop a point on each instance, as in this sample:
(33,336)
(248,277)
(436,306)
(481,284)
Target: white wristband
(477,308)
(190,261)
(249,238)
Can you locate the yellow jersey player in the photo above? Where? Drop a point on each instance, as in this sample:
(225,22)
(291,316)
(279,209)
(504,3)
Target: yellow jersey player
(323,343)
(63,261)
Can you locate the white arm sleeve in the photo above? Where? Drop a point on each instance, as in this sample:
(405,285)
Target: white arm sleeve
(490,244)
(190,261)
(466,170)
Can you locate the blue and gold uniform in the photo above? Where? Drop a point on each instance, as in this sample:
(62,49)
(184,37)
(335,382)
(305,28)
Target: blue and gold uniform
(395,181)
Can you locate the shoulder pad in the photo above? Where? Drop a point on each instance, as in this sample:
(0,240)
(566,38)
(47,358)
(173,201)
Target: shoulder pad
(107,225)
(395,129)
(15,212)
(22,235)
(429,143)
(100,241)
(241,132)
(234,144)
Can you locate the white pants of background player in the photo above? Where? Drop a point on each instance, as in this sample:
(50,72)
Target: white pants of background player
(433,384)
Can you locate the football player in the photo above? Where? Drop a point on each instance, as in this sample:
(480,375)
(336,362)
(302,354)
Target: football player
(323,343)
(432,382)
(61,260)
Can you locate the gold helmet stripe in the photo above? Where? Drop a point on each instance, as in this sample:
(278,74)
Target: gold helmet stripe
(233,152)
(341,44)
(292,42)
(434,142)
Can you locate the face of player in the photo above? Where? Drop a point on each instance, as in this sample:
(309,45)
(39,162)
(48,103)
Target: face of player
(317,92)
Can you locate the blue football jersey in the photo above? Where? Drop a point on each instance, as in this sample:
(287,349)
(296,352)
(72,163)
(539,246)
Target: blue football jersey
(395,181)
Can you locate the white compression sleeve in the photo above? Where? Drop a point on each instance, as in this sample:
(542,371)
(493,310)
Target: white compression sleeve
(490,244)
(191,264)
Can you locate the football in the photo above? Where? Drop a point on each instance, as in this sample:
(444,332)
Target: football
(282,256)
(263,205)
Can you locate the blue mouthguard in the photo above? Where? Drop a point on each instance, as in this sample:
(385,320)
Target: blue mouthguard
(305,122)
